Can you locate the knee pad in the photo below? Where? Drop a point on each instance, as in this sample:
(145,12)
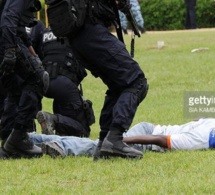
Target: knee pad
(142,90)
(139,88)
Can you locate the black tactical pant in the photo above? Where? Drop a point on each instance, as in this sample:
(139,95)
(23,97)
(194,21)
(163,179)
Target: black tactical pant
(3,94)
(68,107)
(11,104)
(106,57)
(23,98)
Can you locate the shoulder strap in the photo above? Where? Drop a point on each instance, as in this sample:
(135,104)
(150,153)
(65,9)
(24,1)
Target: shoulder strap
(117,23)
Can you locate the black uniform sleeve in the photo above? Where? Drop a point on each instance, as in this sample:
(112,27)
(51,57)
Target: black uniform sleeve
(36,36)
(9,21)
(21,32)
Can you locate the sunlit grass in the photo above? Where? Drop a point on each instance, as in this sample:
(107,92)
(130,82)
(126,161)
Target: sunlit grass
(170,71)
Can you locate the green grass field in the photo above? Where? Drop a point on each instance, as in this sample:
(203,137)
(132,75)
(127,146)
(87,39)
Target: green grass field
(170,71)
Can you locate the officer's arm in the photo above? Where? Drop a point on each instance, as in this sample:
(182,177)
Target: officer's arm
(9,21)
(160,140)
(22,33)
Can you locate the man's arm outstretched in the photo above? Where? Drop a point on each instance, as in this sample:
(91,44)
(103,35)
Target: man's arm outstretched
(160,140)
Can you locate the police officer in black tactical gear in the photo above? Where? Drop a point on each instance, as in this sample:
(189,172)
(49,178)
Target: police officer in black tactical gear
(66,73)
(22,74)
(106,57)
(7,117)
(8,114)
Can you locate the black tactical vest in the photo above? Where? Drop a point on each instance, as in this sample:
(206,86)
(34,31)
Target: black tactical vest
(58,58)
(53,49)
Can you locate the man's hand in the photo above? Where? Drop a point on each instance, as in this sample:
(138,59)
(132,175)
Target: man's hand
(9,61)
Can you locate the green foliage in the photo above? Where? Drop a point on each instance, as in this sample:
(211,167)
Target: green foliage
(170,14)
(162,15)
(205,13)
(42,12)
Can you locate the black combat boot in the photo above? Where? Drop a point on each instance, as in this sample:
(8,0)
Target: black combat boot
(6,155)
(97,154)
(19,142)
(114,146)
(47,122)
(3,154)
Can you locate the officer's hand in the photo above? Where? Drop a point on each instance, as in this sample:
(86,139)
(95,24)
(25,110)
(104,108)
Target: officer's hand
(9,61)
(124,6)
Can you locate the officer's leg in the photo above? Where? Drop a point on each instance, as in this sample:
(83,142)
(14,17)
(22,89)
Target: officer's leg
(9,116)
(106,114)
(2,100)
(127,104)
(120,73)
(112,117)
(18,140)
(3,95)
(63,125)
(69,116)
(3,92)
(13,83)
(68,126)
(33,74)
(106,118)
(131,87)
(70,105)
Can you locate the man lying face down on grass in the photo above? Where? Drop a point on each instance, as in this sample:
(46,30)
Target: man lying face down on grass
(194,135)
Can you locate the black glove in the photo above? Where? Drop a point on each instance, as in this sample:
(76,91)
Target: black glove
(9,61)
(124,6)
